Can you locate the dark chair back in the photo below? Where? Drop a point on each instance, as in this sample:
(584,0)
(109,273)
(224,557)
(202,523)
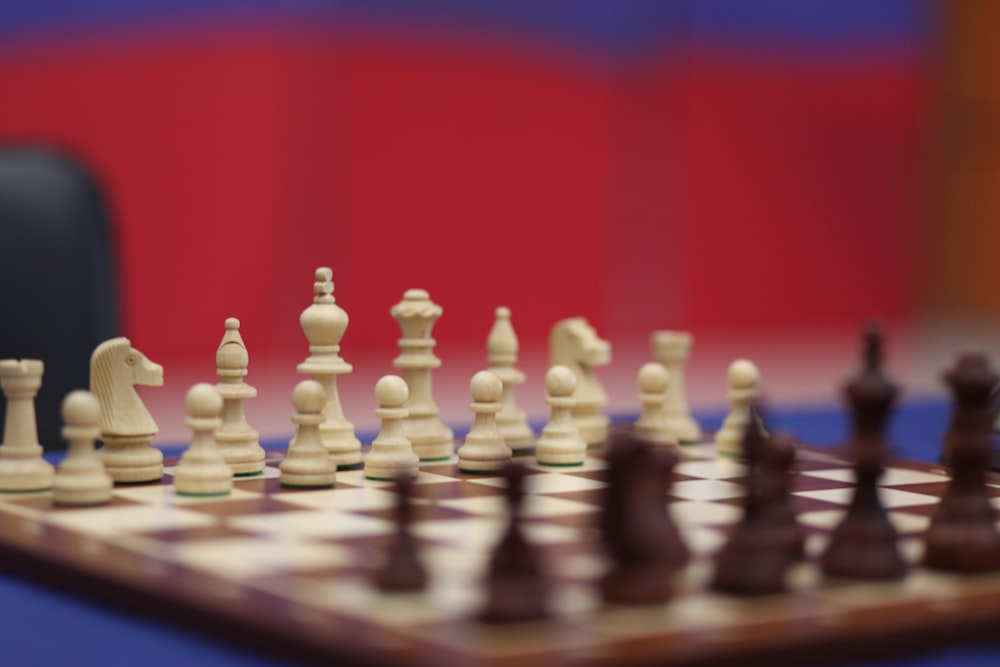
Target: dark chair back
(57,295)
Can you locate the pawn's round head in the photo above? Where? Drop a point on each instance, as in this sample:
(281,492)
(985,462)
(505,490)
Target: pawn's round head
(203,401)
(779,451)
(743,374)
(391,392)
(560,381)
(653,378)
(308,397)
(80,408)
(486,387)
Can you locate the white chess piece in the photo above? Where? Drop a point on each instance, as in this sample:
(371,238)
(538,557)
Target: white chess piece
(501,347)
(127,428)
(743,378)
(391,454)
(82,479)
(653,424)
(416,315)
(238,441)
(307,463)
(22,467)
(560,443)
(202,470)
(574,343)
(484,450)
(672,349)
(324,324)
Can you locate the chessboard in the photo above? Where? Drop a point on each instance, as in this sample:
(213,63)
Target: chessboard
(289,571)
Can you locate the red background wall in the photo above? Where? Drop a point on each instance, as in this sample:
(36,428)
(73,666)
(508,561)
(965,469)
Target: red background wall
(685,187)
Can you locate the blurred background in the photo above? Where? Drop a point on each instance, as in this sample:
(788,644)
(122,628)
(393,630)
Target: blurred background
(756,172)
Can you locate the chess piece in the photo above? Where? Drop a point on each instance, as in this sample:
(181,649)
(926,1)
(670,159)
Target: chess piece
(560,443)
(742,377)
(776,472)
(237,440)
(402,570)
(127,428)
(672,348)
(484,450)
(308,463)
(416,315)
(768,540)
(82,479)
(324,324)
(962,536)
(864,544)
(574,343)
(391,455)
(22,467)
(502,346)
(640,535)
(202,470)
(653,424)
(515,585)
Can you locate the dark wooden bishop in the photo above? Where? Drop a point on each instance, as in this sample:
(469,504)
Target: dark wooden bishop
(640,535)
(515,586)
(962,536)
(864,544)
(403,570)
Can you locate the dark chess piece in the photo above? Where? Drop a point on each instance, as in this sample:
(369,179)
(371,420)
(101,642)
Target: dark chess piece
(864,544)
(768,539)
(962,536)
(515,586)
(403,570)
(644,543)
(776,474)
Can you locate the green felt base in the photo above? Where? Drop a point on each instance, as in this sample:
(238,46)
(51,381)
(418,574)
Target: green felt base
(436,460)
(255,473)
(350,466)
(479,472)
(141,482)
(307,486)
(17,491)
(561,465)
(214,494)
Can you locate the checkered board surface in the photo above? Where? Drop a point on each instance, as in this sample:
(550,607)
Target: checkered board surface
(291,568)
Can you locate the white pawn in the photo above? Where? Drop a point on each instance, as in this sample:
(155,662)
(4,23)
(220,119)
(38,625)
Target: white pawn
(82,479)
(308,463)
(202,470)
(391,454)
(484,450)
(654,420)
(560,443)
(742,377)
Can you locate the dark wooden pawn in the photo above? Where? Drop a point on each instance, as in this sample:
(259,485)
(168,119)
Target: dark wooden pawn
(776,474)
(515,586)
(865,543)
(644,544)
(403,570)
(962,536)
(768,539)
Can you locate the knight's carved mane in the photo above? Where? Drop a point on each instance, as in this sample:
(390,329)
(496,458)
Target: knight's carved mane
(122,411)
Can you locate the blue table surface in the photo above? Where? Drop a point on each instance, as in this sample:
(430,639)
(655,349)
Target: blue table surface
(39,626)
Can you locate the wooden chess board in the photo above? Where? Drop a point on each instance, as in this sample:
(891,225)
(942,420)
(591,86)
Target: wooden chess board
(288,571)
